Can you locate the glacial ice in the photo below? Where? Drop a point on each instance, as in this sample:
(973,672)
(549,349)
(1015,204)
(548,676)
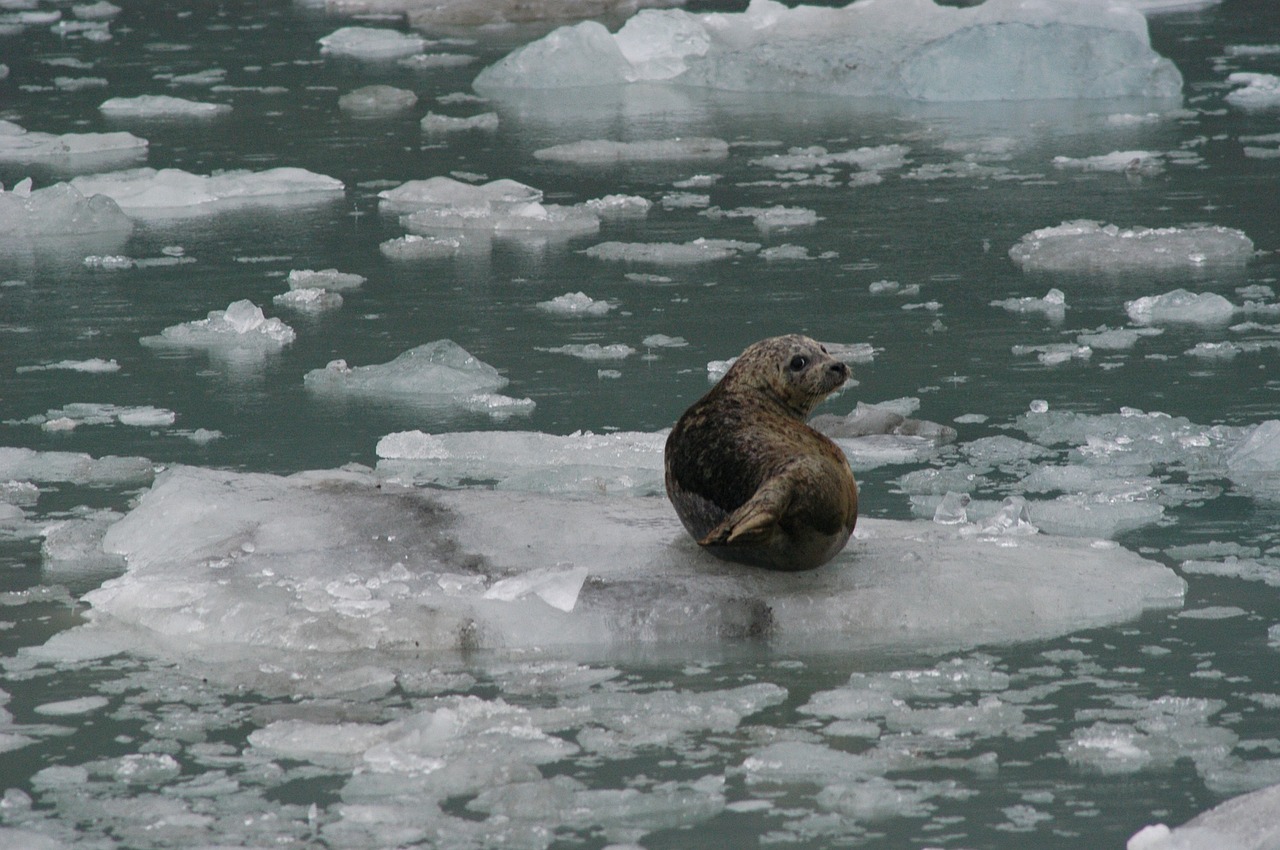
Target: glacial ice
(1085,245)
(18,464)
(308,299)
(435,374)
(94,365)
(415,247)
(433,123)
(1261,91)
(79,151)
(170,192)
(161,106)
(500,207)
(239,329)
(255,573)
(71,416)
(1180,306)
(371,44)
(670,253)
(377,100)
(1053,305)
(576,304)
(330,280)
(915,49)
(58,210)
(1247,822)
(593,350)
(601,151)
(1128,162)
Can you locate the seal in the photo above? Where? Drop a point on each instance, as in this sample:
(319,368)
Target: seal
(749,479)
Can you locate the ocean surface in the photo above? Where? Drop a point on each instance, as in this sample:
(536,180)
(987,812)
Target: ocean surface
(1076,722)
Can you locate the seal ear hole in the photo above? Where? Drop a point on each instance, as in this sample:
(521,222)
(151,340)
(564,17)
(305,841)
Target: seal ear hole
(798,363)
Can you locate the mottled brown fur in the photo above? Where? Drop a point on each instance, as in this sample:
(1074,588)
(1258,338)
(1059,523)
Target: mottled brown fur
(749,479)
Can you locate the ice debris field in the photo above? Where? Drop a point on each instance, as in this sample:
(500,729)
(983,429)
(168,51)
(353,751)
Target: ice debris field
(340,342)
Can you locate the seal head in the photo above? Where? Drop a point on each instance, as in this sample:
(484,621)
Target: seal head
(748,478)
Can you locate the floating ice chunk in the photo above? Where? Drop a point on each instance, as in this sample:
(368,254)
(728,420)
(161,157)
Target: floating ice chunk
(559,588)
(100,11)
(652,150)
(620,463)
(1093,516)
(793,252)
(309,299)
(377,100)
(1055,353)
(335,564)
(882,419)
(78,151)
(575,304)
(684,201)
(593,351)
(371,44)
(664,341)
(1090,246)
(161,106)
(71,416)
(433,123)
(1180,306)
(1053,305)
(427,61)
(503,207)
(58,210)
(769,218)
(915,50)
(172,192)
(1116,339)
(439,373)
(1261,91)
(70,707)
(331,280)
(619,206)
(872,159)
(93,364)
(72,467)
(1129,162)
(671,253)
(241,326)
(1247,822)
(414,247)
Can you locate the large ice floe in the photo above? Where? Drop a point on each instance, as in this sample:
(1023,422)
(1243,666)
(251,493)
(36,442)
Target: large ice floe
(69,151)
(998,50)
(498,208)
(171,192)
(438,374)
(28,214)
(1092,246)
(265,574)
(240,332)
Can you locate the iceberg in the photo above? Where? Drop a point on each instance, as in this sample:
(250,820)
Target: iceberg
(78,151)
(239,329)
(58,210)
(437,374)
(172,192)
(161,106)
(912,49)
(253,572)
(371,44)
(1248,822)
(1085,245)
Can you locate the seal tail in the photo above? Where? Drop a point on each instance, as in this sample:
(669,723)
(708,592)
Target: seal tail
(750,525)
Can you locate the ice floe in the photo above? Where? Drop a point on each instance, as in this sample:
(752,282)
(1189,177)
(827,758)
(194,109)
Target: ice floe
(172,192)
(74,415)
(259,571)
(596,151)
(377,100)
(1247,822)
(312,299)
(1085,245)
(1260,91)
(330,280)
(433,123)
(1180,306)
(593,351)
(499,207)
(371,44)
(1128,162)
(59,210)
(1053,306)
(438,374)
(78,151)
(576,304)
(20,464)
(93,364)
(1002,50)
(670,253)
(161,106)
(239,330)
(777,217)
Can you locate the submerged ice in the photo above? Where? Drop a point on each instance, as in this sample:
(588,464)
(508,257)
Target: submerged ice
(999,50)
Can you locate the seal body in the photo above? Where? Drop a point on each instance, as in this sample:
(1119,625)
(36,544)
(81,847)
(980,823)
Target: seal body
(749,479)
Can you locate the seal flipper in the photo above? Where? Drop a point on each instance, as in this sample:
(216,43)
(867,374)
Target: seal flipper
(754,522)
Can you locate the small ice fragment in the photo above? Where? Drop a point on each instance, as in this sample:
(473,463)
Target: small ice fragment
(328,279)
(161,106)
(664,341)
(575,304)
(311,299)
(1053,305)
(593,351)
(952,510)
(371,44)
(433,123)
(697,251)
(240,325)
(377,100)
(1180,306)
(1260,91)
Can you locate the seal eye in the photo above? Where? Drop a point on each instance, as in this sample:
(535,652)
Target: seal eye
(798,362)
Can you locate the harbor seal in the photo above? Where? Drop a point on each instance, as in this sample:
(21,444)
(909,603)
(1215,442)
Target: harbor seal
(749,479)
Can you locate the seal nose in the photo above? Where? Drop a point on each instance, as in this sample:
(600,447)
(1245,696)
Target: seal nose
(840,368)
